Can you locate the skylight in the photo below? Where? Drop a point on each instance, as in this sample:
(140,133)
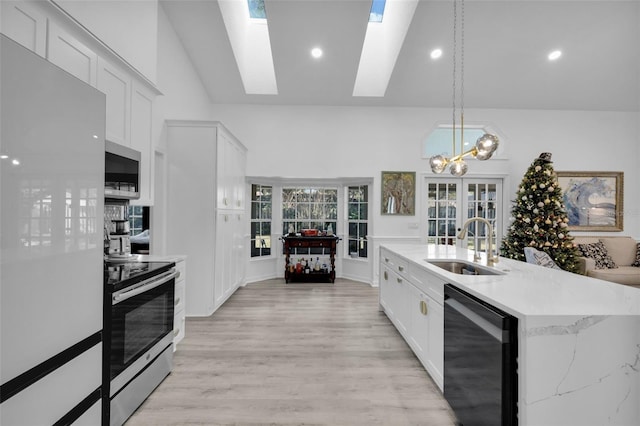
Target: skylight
(256,9)
(377,10)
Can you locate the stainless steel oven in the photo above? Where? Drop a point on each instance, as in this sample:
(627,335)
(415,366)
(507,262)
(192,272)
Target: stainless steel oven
(138,328)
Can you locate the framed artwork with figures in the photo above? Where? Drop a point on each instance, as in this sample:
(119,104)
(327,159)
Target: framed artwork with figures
(593,200)
(398,193)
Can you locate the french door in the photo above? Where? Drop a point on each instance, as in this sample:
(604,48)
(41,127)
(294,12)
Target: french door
(451,201)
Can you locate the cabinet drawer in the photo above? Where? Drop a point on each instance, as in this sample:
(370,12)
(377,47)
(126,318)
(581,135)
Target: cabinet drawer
(181,267)
(179,297)
(179,322)
(427,282)
(395,263)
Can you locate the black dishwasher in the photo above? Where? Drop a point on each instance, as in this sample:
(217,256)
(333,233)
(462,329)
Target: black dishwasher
(480,360)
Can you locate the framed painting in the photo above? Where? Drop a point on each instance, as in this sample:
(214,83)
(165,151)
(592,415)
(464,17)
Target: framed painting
(593,200)
(398,193)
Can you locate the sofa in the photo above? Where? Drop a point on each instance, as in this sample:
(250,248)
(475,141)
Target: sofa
(620,254)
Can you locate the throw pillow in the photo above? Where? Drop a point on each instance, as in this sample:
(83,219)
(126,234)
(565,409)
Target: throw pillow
(538,257)
(598,252)
(637,262)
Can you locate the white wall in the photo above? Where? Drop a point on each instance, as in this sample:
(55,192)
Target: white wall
(318,142)
(129,27)
(183,97)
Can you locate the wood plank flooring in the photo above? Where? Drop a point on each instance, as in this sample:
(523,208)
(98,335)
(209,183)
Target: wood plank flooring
(296,354)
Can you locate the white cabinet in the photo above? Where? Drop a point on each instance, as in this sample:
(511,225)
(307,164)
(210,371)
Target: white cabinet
(71,55)
(231,167)
(213,238)
(23,23)
(179,303)
(116,84)
(141,139)
(409,297)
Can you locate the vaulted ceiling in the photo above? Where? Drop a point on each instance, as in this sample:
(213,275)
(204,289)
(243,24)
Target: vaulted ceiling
(505,63)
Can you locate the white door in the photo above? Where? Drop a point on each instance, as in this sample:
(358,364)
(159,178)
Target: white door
(451,201)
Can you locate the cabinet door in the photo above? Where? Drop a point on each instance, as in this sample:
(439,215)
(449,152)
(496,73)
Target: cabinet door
(385,290)
(24,24)
(222,257)
(141,140)
(435,356)
(420,319)
(239,176)
(225,169)
(399,301)
(239,253)
(116,84)
(71,55)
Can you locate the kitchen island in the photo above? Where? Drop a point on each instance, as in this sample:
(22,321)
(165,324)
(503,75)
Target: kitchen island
(578,337)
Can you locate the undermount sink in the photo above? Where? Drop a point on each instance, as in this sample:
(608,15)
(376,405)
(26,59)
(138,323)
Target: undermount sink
(462,268)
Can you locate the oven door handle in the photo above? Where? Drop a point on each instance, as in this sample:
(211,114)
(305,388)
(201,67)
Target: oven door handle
(144,286)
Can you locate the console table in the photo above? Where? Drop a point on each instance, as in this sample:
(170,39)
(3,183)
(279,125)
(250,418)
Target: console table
(294,242)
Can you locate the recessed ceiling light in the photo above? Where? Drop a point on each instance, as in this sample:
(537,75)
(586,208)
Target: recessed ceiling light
(554,55)
(436,53)
(316,52)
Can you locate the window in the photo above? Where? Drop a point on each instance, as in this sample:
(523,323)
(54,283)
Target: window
(377,10)
(261,220)
(309,208)
(358,211)
(136,214)
(440,141)
(256,9)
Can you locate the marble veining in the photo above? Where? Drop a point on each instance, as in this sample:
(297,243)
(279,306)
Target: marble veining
(574,328)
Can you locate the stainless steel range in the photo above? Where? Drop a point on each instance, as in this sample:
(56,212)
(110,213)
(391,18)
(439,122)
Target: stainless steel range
(138,334)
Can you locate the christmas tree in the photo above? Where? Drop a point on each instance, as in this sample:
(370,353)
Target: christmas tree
(539,219)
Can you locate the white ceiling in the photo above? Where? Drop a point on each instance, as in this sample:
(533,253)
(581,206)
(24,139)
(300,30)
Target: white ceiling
(506,47)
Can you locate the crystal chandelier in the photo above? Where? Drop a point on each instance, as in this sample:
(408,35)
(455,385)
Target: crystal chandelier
(486,144)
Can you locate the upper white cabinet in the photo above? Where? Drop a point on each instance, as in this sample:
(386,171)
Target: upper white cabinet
(232,158)
(141,139)
(39,26)
(21,22)
(116,84)
(71,55)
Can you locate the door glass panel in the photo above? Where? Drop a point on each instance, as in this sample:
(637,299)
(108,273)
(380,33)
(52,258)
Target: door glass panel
(441,213)
(449,204)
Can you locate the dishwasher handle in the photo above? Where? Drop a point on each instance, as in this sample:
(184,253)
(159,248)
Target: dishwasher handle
(143,286)
(497,333)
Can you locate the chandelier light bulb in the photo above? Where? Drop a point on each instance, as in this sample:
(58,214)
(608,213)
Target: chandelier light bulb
(458,168)
(436,53)
(438,163)
(486,145)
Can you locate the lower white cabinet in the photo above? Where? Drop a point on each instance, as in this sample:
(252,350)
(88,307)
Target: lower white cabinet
(178,308)
(418,317)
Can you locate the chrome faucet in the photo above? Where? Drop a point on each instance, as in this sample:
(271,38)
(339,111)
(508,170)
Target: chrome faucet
(491,259)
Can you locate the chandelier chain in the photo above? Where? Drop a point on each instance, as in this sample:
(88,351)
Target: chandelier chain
(453,96)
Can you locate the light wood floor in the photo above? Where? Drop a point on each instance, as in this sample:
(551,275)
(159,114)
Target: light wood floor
(296,354)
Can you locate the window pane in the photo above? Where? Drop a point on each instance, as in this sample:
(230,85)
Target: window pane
(364,207)
(353,230)
(362,230)
(331,195)
(302,211)
(317,211)
(354,212)
(332,211)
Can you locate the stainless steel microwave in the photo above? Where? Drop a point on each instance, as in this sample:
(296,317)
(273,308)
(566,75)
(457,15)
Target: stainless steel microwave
(121,172)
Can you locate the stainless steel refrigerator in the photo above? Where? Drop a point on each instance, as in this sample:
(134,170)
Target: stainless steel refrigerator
(52,201)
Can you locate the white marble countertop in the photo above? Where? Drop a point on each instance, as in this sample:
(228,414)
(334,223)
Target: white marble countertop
(525,289)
